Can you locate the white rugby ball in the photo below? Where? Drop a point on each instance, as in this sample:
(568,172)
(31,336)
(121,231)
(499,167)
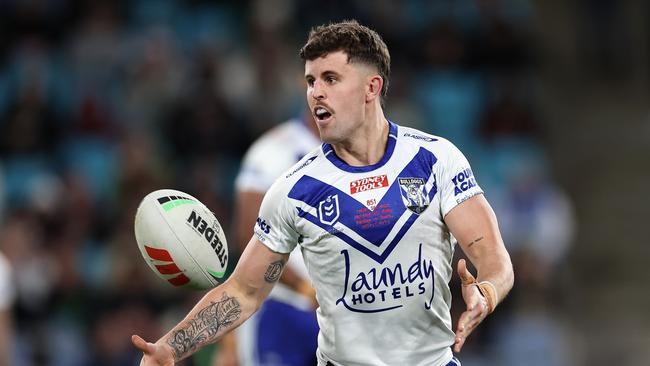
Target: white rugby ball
(181,240)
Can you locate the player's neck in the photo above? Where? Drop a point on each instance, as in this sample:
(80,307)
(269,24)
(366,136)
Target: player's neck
(368,145)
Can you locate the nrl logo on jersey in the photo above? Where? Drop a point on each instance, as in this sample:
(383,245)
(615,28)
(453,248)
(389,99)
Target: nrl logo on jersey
(328,210)
(414,194)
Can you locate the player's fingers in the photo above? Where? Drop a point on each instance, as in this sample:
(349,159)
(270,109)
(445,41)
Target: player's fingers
(461,336)
(470,325)
(140,344)
(465,276)
(458,344)
(467,322)
(466,325)
(463,323)
(457,347)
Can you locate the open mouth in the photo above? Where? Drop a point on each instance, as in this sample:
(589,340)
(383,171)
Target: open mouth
(321,113)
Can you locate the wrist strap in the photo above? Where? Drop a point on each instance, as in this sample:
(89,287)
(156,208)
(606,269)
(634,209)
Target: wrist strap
(489,291)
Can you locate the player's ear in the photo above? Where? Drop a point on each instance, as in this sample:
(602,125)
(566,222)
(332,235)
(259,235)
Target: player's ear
(373,87)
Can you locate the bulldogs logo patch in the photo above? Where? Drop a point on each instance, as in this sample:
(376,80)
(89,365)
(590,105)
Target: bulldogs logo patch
(414,194)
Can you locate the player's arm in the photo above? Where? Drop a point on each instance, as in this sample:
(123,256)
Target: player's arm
(474,225)
(220,310)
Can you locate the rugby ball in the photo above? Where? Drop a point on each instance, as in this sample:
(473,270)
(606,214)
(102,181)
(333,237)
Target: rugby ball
(181,240)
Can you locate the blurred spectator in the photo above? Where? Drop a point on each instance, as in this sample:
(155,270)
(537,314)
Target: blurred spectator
(537,223)
(508,115)
(536,219)
(604,38)
(201,123)
(451,95)
(35,273)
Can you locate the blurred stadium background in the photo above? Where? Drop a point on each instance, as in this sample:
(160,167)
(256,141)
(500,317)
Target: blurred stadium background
(104,101)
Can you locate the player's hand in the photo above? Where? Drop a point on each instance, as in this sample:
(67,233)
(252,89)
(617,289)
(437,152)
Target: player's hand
(477,306)
(154,354)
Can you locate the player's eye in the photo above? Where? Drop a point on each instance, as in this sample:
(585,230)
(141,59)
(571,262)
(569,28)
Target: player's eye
(330,79)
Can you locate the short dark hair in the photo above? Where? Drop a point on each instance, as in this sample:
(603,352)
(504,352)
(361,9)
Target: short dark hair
(359,42)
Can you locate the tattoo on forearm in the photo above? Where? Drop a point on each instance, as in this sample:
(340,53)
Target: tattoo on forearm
(273,272)
(475,241)
(203,328)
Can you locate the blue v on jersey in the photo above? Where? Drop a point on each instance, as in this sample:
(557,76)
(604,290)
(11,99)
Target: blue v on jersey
(376,246)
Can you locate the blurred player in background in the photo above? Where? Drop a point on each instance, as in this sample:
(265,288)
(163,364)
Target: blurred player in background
(284,331)
(377,211)
(6,300)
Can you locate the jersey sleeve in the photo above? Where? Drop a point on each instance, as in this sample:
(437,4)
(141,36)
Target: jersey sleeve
(275,224)
(457,181)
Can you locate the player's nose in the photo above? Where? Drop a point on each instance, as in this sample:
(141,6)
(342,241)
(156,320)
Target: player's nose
(318,92)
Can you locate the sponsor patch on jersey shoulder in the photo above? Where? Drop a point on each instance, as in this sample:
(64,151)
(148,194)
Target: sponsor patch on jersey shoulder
(261,223)
(463,181)
(420,137)
(307,162)
(366,184)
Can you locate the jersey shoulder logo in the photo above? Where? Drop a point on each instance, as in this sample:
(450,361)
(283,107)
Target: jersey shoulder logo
(307,162)
(463,181)
(420,137)
(414,193)
(266,228)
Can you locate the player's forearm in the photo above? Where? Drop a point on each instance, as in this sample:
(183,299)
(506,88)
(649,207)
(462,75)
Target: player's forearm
(227,306)
(497,270)
(475,226)
(220,311)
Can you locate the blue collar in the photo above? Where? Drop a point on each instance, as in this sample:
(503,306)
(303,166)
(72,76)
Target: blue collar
(392,139)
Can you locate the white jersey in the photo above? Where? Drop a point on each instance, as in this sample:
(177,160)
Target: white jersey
(266,160)
(376,246)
